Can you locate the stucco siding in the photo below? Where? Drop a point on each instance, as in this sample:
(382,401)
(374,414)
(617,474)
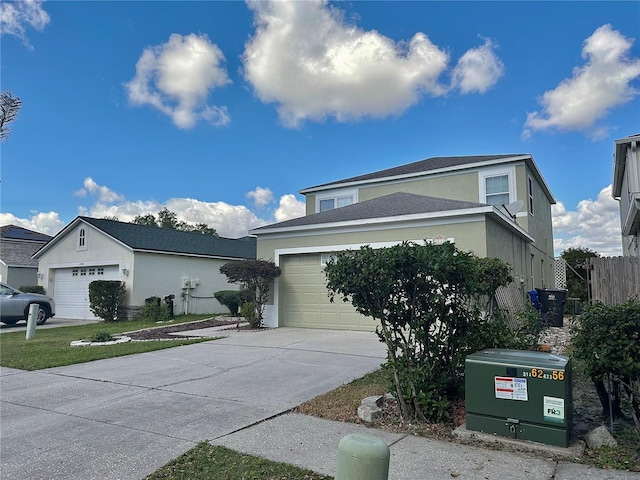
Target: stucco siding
(468,236)
(162,274)
(455,186)
(101,250)
(509,248)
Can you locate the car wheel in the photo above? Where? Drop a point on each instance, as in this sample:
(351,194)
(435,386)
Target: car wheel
(42,316)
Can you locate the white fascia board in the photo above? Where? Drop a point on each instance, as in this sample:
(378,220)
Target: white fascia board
(375,223)
(633,215)
(543,183)
(467,166)
(619,162)
(279,252)
(56,239)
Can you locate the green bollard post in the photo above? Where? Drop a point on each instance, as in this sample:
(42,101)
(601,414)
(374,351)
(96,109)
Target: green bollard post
(362,457)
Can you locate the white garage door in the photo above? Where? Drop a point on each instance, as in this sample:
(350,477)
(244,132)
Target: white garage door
(304,301)
(72,289)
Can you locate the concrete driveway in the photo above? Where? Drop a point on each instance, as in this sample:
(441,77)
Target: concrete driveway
(54,322)
(123,418)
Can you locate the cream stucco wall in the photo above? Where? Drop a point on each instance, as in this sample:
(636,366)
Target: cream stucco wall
(101,250)
(162,274)
(468,236)
(148,274)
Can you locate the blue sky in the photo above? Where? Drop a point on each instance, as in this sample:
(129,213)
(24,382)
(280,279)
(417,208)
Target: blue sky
(223,111)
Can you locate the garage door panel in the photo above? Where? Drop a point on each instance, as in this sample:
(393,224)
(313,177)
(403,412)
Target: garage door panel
(71,289)
(304,298)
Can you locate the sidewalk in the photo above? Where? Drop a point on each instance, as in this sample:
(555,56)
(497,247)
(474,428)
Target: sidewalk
(311,443)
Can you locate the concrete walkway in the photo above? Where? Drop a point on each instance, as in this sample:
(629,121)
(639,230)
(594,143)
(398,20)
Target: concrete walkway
(123,418)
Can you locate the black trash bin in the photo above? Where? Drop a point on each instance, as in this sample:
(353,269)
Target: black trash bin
(169,301)
(552,302)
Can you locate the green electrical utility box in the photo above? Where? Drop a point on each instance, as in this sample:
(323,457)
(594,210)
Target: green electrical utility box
(519,394)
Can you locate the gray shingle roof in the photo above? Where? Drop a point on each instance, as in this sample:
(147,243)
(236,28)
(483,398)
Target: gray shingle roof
(19,233)
(17,253)
(143,237)
(434,163)
(395,204)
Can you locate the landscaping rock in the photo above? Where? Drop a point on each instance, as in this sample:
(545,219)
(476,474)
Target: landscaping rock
(370,413)
(600,437)
(376,400)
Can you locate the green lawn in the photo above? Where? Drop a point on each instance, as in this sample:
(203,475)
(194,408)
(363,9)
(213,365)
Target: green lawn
(205,461)
(51,346)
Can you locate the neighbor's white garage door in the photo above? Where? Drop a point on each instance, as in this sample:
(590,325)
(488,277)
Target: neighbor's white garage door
(72,289)
(304,301)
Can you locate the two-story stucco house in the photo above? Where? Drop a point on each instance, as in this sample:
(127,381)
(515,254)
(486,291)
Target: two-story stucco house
(492,205)
(626,189)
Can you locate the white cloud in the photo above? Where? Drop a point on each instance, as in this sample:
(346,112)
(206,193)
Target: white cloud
(105,195)
(306,58)
(231,221)
(43,222)
(602,83)
(261,196)
(16,16)
(290,207)
(177,77)
(594,224)
(477,70)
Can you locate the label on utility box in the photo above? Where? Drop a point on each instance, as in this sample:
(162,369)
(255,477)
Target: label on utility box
(511,388)
(553,409)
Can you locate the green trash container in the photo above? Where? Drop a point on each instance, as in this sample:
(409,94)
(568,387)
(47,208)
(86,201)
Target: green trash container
(519,394)
(552,302)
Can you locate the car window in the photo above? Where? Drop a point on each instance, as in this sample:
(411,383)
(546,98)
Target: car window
(5,290)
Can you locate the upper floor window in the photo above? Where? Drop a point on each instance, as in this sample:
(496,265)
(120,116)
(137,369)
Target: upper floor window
(497,186)
(530,196)
(335,201)
(497,190)
(82,239)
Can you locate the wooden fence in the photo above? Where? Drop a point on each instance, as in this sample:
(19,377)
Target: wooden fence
(613,280)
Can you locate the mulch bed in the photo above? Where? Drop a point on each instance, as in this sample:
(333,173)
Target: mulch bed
(164,333)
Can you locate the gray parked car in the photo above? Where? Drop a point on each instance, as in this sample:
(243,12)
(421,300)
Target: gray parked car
(14,305)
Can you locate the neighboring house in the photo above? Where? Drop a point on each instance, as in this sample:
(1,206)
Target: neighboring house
(626,189)
(17,246)
(152,261)
(494,206)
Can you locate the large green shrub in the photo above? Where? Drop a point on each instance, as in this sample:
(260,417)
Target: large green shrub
(425,298)
(248,311)
(256,276)
(155,311)
(607,342)
(105,298)
(32,289)
(232,299)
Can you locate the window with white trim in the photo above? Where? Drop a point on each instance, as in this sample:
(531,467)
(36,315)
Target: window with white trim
(82,239)
(325,257)
(331,199)
(530,196)
(497,190)
(497,186)
(336,202)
